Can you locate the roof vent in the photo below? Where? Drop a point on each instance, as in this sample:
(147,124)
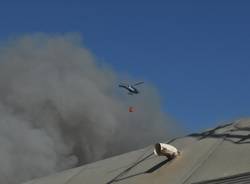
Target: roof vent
(162,149)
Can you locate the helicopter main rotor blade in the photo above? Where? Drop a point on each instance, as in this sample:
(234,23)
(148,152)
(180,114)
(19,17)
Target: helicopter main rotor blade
(122,86)
(138,83)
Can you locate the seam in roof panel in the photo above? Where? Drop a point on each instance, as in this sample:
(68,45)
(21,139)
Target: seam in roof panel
(135,163)
(202,162)
(74,175)
(138,161)
(214,147)
(233,179)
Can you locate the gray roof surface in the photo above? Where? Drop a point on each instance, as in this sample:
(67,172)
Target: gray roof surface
(207,157)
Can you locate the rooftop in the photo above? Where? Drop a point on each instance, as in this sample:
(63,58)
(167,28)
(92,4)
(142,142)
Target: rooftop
(219,155)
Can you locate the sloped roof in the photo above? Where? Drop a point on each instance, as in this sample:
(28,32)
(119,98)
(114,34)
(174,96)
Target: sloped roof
(218,155)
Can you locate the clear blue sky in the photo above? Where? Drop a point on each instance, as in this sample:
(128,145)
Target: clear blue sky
(197,53)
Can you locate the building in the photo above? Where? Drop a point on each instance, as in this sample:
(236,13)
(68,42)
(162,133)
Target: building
(219,155)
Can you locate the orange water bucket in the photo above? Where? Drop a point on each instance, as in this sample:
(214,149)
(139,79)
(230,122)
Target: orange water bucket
(131,109)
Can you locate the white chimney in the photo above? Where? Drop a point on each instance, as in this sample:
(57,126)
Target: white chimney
(162,149)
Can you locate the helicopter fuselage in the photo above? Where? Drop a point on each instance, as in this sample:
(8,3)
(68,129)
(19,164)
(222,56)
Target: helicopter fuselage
(130,88)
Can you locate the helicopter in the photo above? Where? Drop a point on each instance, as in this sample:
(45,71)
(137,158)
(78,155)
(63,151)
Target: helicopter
(131,88)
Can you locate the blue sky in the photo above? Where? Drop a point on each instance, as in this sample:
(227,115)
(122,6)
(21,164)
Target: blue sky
(195,52)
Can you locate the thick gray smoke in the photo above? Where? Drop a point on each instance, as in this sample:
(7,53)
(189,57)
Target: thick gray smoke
(60,109)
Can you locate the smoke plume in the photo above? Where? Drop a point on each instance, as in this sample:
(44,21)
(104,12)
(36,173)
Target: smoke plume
(60,108)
